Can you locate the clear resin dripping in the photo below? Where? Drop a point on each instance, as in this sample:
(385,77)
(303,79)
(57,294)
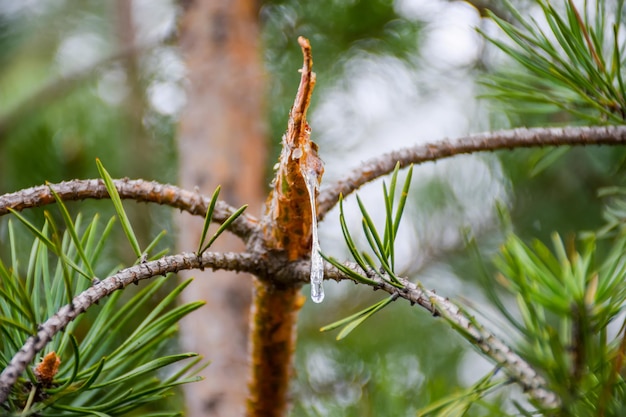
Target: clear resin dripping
(317,263)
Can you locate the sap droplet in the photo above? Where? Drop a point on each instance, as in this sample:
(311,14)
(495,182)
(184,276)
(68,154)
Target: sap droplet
(317,273)
(317,263)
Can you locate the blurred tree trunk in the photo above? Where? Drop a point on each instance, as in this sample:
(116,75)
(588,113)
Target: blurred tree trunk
(221,142)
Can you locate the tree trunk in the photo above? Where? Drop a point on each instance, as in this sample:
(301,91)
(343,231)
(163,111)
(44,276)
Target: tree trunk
(221,142)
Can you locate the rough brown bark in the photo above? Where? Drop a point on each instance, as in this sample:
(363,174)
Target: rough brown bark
(273,322)
(221,142)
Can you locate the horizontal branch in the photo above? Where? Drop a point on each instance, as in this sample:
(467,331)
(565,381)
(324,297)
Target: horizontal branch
(138,190)
(515,367)
(241,262)
(503,139)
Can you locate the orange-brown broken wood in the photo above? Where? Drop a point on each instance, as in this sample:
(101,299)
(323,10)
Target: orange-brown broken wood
(287,224)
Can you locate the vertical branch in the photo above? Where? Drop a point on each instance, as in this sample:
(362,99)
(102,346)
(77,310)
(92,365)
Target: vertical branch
(272,346)
(286,228)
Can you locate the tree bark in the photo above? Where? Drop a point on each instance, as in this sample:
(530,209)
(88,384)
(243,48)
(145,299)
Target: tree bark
(221,142)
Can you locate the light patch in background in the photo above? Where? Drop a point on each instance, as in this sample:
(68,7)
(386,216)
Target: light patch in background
(166,93)
(326,374)
(111,87)
(166,64)
(406,371)
(79,50)
(451,39)
(154,20)
(421,10)
(381,104)
(15,8)
(167,98)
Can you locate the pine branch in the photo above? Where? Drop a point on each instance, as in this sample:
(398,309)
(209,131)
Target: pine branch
(150,191)
(288,227)
(244,227)
(241,262)
(491,141)
(516,367)
(138,190)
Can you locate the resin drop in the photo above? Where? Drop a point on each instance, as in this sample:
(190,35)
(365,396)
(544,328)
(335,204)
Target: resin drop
(317,263)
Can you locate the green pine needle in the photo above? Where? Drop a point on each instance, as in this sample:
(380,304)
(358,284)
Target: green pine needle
(202,247)
(69,224)
(119,208)
(352,322)
(224,226)
(571,66)
(110,370)
(208,218)
(348,237)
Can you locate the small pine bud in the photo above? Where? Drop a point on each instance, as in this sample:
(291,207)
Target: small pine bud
(47,368)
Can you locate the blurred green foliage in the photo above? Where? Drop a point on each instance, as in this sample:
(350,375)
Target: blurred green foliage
(337,31)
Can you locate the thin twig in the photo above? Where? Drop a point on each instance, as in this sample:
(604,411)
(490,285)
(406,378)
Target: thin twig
(516,367)
(138,190)
(241,262)
(503,139)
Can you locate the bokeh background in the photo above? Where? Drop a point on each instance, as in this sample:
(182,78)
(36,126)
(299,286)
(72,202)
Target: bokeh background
(87,79)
